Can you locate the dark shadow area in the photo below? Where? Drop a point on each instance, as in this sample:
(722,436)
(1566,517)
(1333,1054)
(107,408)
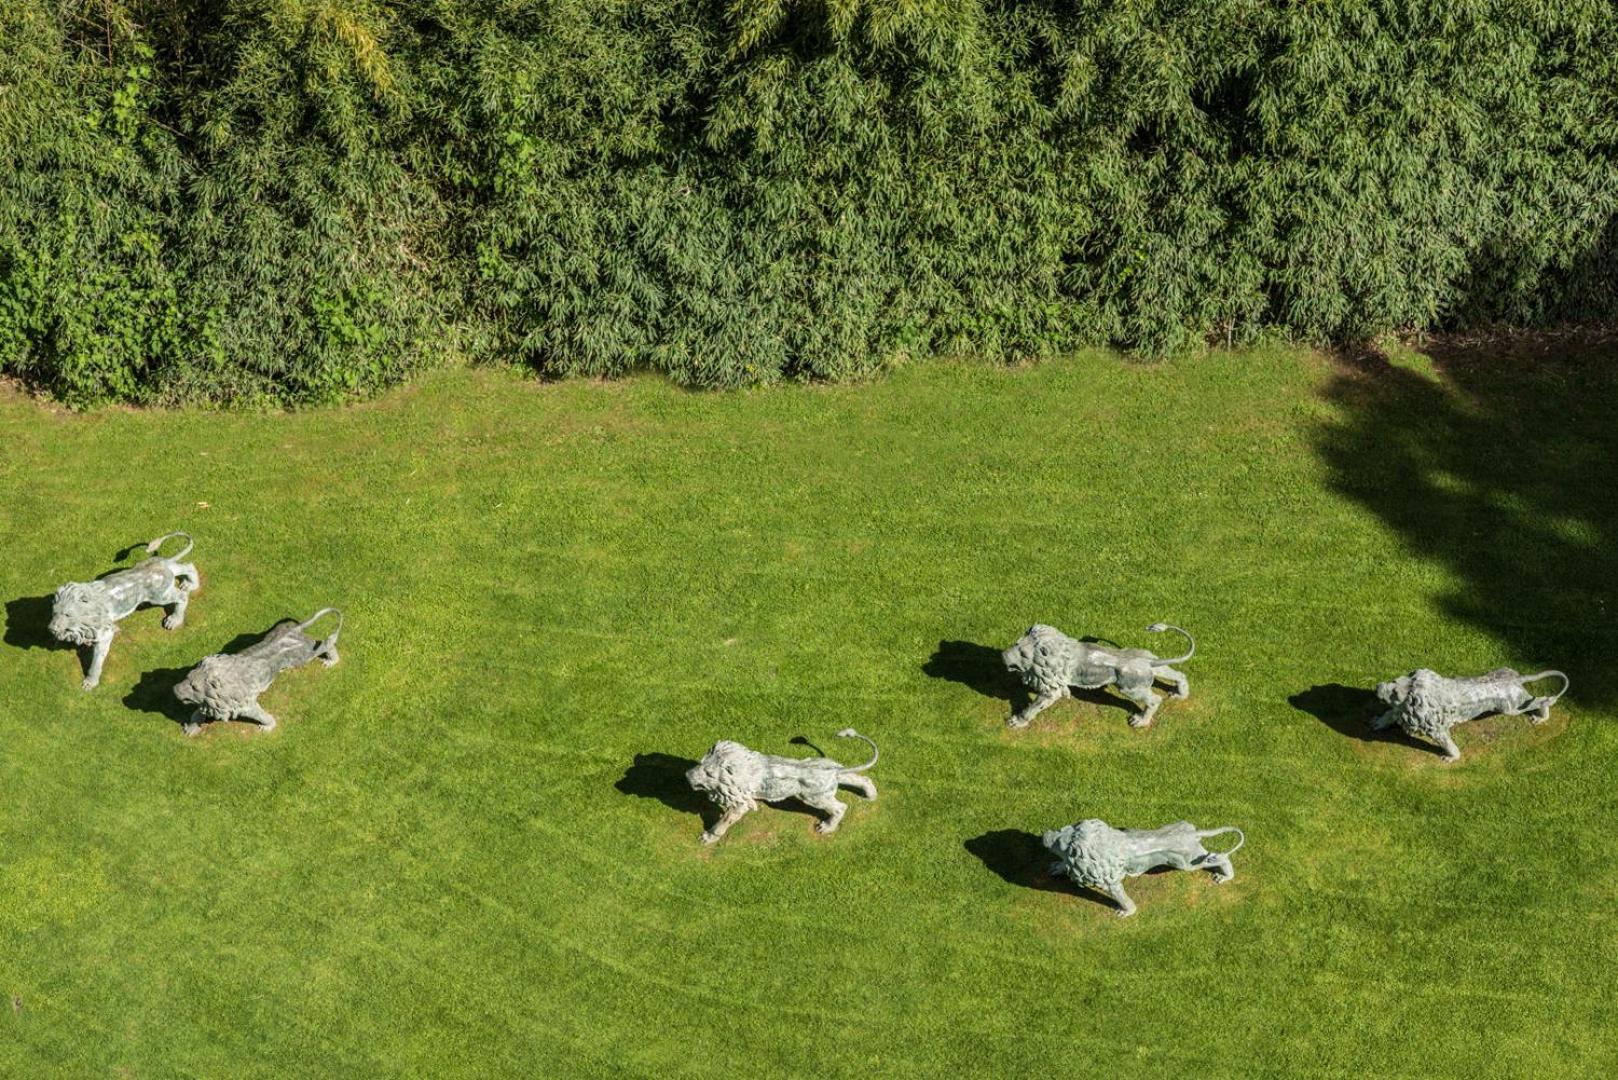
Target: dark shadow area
(1496,457)
(803,740)
(28,623)
(1349,710)
(154,693)
(1018,858)
(979,667)
(662,777)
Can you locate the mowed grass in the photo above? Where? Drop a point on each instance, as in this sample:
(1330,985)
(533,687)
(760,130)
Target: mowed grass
(468,848)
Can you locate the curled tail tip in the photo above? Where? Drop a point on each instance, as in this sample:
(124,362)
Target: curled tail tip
(849,733)
(1157,628)
(154,544)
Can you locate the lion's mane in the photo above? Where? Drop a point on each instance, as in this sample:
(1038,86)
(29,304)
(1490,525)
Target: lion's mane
(1051,656)
(735,775)
(1425,709)
(1094,852)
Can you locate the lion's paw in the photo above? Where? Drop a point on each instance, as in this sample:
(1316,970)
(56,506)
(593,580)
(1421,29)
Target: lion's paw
(173,622)
(89,683)
(1140,721)
(824,827)
(709,838)
(190,729)
(1017,723)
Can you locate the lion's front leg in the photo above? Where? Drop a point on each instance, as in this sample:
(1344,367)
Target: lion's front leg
(1037,706)
(98,657)
(730,817)
(1126,906)
(193,725)
(1385,721)
(1446,742)
(255,712)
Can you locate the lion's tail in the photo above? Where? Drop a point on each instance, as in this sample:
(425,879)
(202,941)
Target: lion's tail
(151,547)
(1191,643)
(1551,674)
(1241,837)
(311,620)
(850,733)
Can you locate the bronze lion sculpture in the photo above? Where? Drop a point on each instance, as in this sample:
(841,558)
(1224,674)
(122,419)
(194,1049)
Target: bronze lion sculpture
(1050,663)
(738,779)
(1425,704)
(1096,854)
(226,686)
(87,612)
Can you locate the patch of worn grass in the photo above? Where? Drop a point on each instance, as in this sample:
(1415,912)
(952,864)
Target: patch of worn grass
(468,847)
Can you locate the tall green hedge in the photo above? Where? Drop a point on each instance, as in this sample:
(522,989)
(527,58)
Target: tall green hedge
(301,200)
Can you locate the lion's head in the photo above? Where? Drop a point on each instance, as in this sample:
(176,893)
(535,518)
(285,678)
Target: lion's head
(216,688)
(730,774)
(1394,692)
(80,614)
(1042,658)
(1093,851)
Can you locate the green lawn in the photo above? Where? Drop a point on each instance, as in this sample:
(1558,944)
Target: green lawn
(467,848)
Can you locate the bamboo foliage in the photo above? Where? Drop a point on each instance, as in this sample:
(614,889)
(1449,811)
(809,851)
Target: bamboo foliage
(304,200)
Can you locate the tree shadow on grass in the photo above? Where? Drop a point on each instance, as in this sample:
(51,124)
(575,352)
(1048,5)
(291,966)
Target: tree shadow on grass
(1495,456)
(1349,710)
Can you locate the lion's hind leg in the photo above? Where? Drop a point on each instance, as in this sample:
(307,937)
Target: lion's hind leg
(826,803)
(861,784)
(1219,865)
(1182,685)
(1147,699)
(177,599)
